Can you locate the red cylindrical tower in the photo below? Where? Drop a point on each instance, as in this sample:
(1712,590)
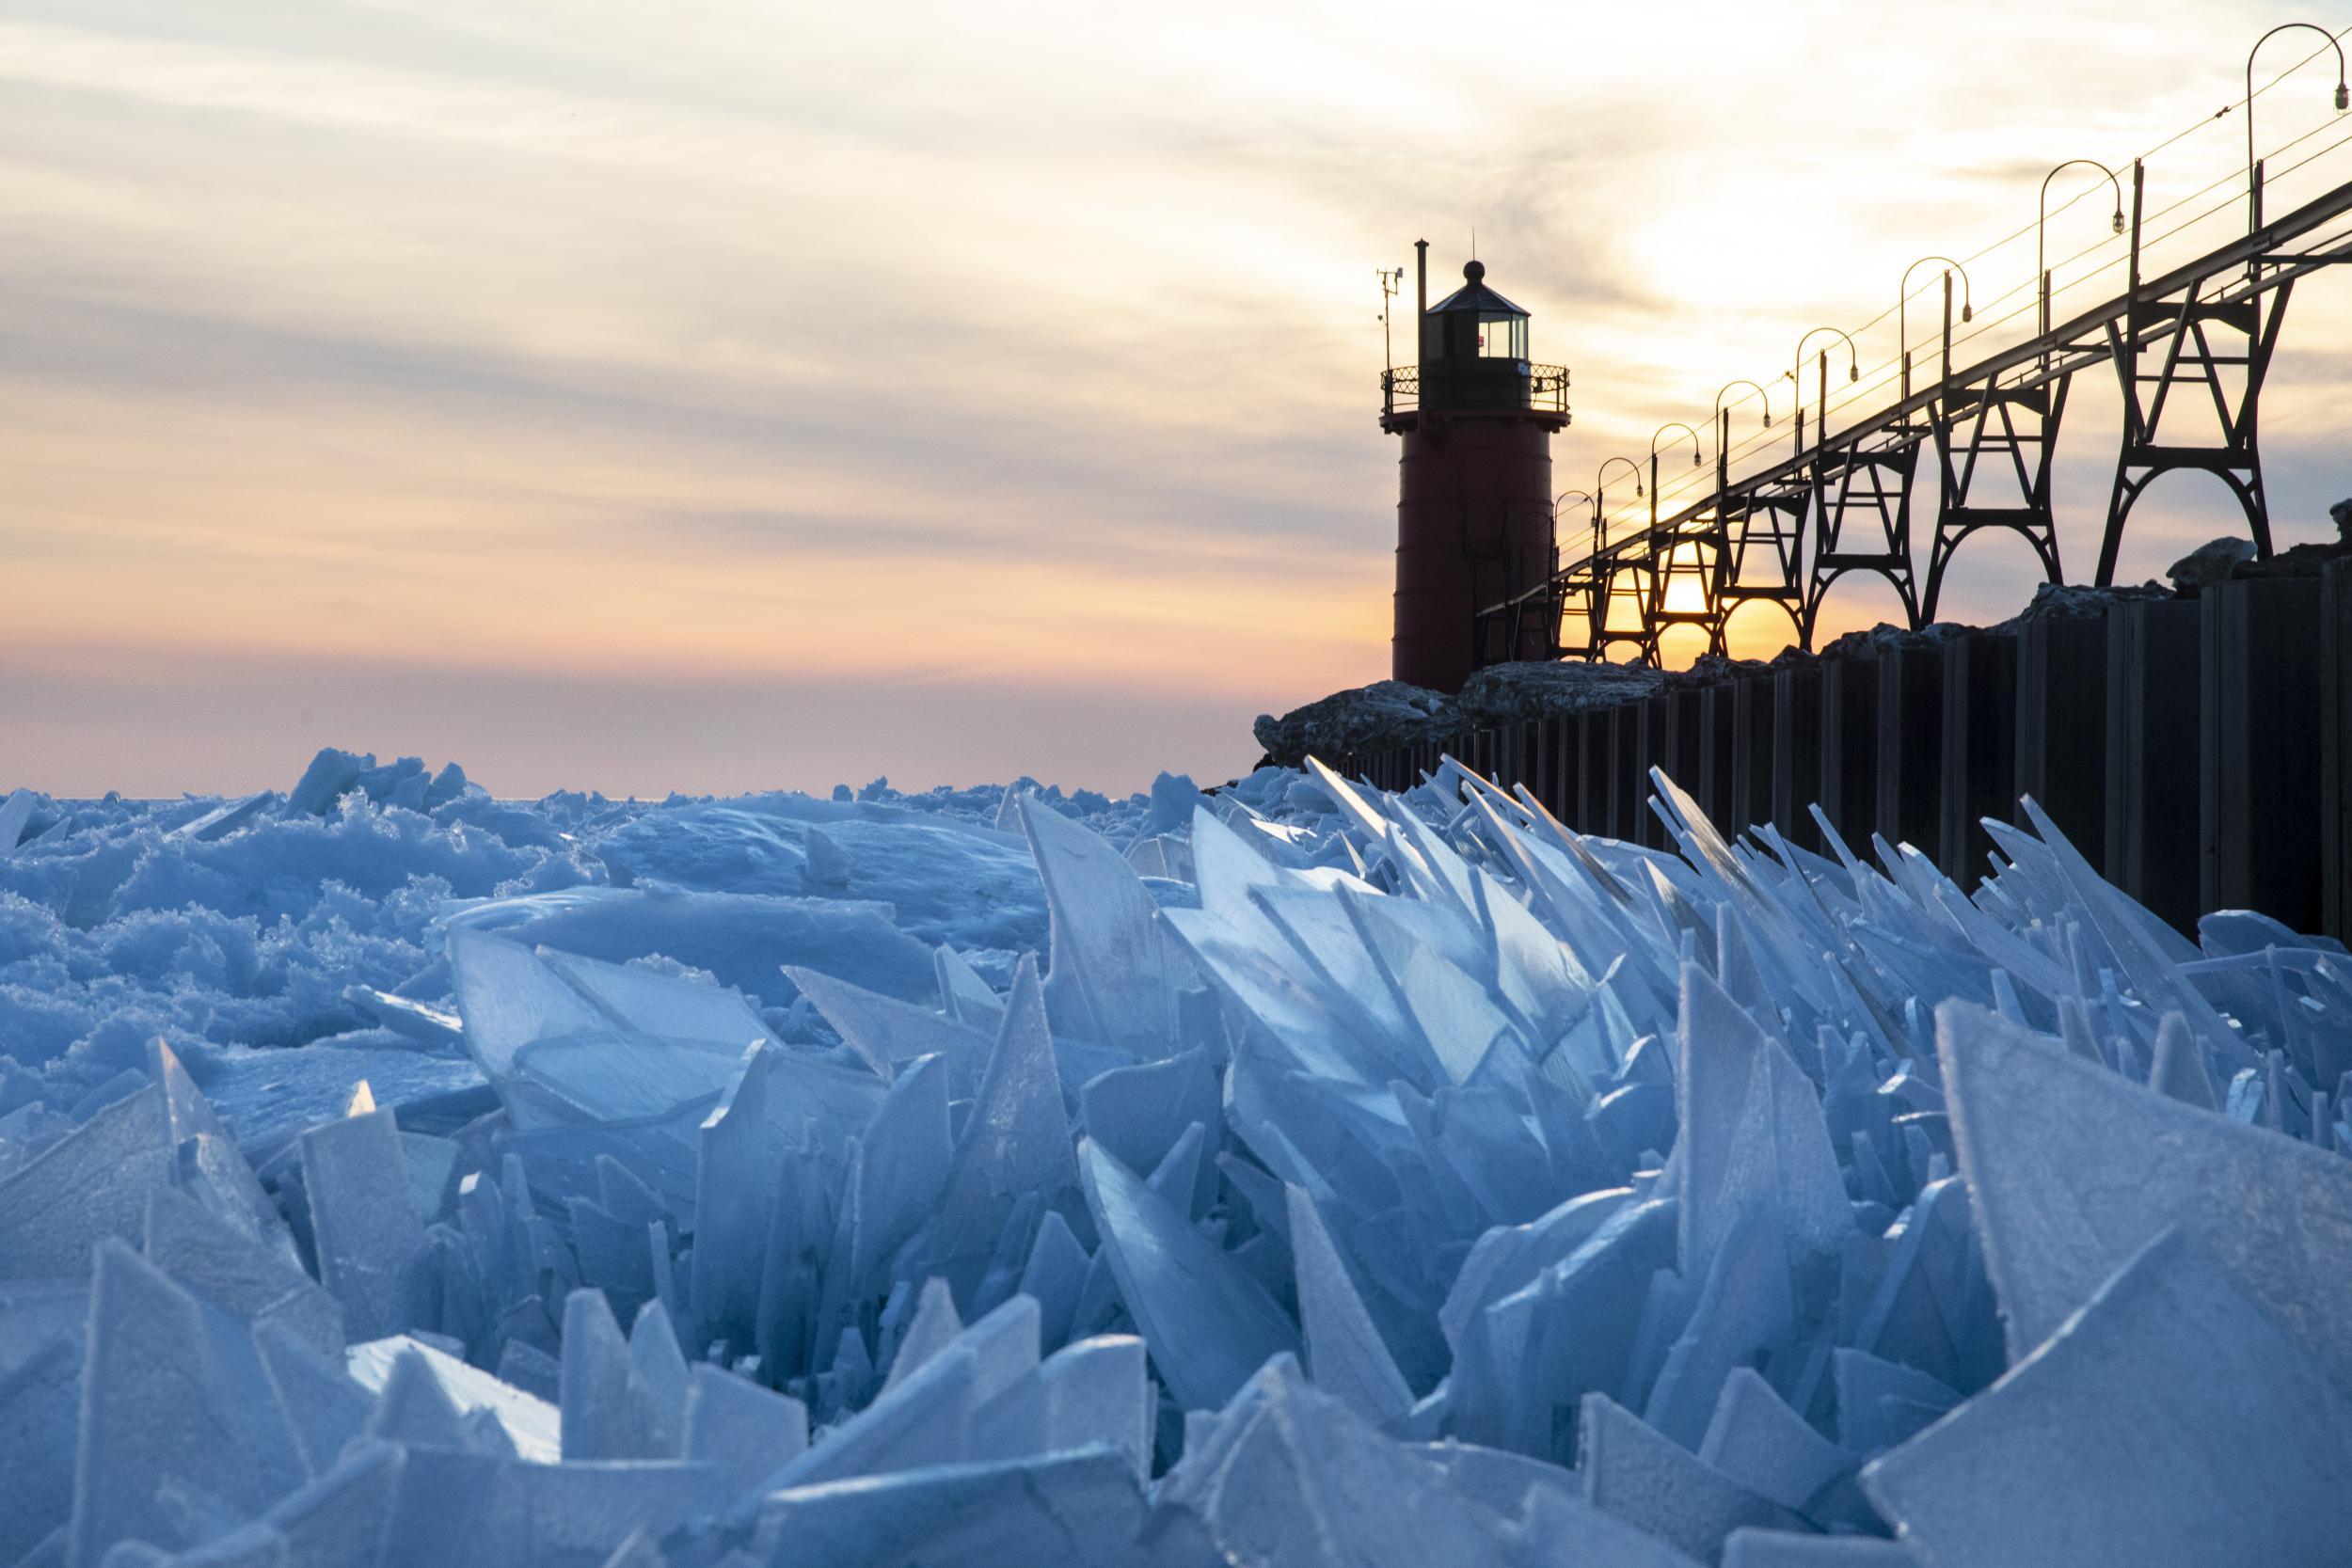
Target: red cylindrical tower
(1473,512)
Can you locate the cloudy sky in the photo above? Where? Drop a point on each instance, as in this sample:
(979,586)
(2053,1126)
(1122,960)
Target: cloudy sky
(722,394)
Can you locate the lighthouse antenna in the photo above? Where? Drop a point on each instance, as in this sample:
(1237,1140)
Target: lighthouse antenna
(1390,283)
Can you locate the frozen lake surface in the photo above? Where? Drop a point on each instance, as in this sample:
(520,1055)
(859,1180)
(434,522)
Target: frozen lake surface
(1298,1174)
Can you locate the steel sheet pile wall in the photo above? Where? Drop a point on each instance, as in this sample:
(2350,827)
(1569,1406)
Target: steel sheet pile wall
(2197,751)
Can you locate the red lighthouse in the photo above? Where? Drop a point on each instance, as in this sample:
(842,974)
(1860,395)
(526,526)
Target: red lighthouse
(1474,511)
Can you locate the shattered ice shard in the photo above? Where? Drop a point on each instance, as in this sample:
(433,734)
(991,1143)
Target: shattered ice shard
(1109,955)
(2173,1420)
(639,1056)
(1345,1355)
(1208,1326)
(181,1437)
(1015,1145)
(1650,1481)
(2075,1170)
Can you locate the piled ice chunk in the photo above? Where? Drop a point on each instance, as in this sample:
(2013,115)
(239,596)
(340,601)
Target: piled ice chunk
(1359,1180)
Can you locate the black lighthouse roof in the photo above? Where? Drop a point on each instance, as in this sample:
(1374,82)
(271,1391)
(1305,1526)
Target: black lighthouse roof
(1476,295)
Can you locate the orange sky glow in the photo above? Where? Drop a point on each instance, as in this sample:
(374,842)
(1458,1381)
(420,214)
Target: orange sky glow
(722,395)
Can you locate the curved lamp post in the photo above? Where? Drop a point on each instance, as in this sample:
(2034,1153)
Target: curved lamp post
(1760,392)
(1586,495)
(1796,379)
(1722,432)
(1723,429)
(2042,218)
(1902,301)
(2253,174)
(1600,488)
(1670,424)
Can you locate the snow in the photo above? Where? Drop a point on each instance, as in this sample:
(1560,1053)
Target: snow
(531,1423)
(1291,1174)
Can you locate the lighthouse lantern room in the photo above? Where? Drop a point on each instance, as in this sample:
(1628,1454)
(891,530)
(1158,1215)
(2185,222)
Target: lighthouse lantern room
(1473,515)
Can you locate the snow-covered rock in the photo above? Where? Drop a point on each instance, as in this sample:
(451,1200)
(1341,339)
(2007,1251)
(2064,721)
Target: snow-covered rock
(1391,713)
(2209,562)
(1876,639)
(1368,718)
(2075,601)
(1508,693)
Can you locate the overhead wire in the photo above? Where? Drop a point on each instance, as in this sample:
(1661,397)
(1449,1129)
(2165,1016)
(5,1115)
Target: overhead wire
(2179,135)
(2184,134)
(1862,386)
(1885,374)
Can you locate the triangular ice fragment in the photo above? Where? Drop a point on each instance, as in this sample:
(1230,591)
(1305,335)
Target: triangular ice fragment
(2074,1169)
(1107,940)
(1208,1323)
(372,1250)
(2174,1421)
(1757,1440)
(90,1184)
(1345,1355)
(1016,1145)
(1656,1485)
(745,1431)
(180,1435)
